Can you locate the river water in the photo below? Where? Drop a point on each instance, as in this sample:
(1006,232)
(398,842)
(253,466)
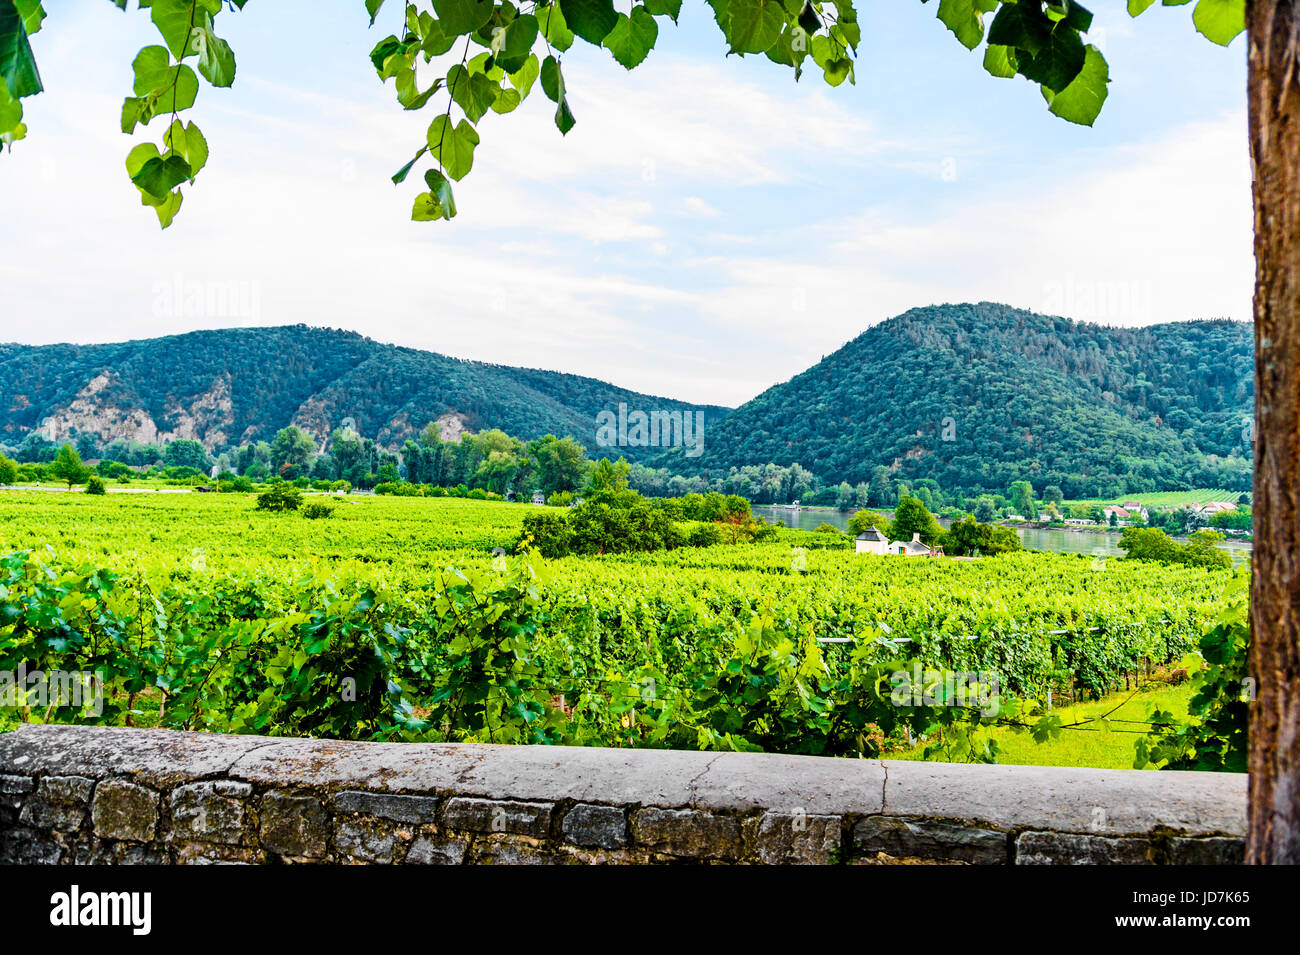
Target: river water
(1056,540)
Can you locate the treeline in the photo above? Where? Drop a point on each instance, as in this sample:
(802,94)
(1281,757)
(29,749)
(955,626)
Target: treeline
(975,397)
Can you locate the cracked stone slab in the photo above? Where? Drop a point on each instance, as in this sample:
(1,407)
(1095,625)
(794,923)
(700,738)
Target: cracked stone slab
(1105,802)
(161,758)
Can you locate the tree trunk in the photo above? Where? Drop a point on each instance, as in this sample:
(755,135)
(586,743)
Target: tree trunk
(1273,35)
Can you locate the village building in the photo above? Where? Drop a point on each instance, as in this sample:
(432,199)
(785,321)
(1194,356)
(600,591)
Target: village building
(912,548)
(872,541)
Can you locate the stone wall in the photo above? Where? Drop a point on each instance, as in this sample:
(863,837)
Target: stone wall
(89,795)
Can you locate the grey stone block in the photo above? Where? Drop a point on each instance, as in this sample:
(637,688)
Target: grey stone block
(200,853)
(493,815)
(413,809)
(16,785)
(1069,848)
(123,810)
(19,846)
(215,811)
(936,839)
(797,838)
(60,802)
(1214,850)
(437,850)
(293,825)
(687,832)
(364,839)
(603,827)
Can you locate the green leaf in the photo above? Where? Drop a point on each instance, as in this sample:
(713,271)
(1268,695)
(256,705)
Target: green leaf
(1000,60)
(453,146)
(590,19)
(518,38)
(664,8)
(438,202)
(1219,21)
(1137,7)
(1081,101)
(753,25)
(965,18)
(506,101)
(159,175)
(188,142)
(372,8)
(17,64)
(12,127)
(166,207)
(32,13)
(168,88)
(556,31)
(1023,26)
(1057,62)
(564,120)
(632,38)
(552,79)
(173,18)
(474,93)
(524,77)
(216,59)
(458,17)
(402,173)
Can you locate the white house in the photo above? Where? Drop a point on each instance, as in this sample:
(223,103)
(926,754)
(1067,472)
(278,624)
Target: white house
(539,497)
(912,548)
(871,541)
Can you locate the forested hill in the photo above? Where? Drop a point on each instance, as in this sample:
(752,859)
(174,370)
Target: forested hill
(232,386)
(1096,410)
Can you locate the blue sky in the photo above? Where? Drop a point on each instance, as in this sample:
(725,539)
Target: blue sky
(708,228)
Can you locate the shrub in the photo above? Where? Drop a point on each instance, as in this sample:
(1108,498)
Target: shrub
(315,510)
(549,533)
(95,485)
(825,528)
(704,535)
(476,494)
(560,499)
(279,497)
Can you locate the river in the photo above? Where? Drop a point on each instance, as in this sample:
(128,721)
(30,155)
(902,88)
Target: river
(1056,540)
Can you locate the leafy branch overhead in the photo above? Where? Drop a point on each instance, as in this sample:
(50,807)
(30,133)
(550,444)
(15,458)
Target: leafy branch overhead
(516,46)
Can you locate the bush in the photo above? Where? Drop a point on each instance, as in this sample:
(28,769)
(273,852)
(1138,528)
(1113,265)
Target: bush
(95,485)
(279,497)
(825,528)
(560,499)
(968,538)
(704,535)
(548,532)
(315,510)
(476,494)
(1149,543)
(399,489)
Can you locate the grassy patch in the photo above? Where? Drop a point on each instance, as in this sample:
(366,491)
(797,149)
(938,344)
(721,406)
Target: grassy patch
(1092,744)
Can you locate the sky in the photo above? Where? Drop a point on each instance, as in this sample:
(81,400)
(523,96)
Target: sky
(708,229)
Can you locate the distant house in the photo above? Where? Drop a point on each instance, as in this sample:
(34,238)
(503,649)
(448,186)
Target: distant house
(1076,522)
(539,497)
(912,548)
(1121,513)
(1015,517)
(1215,507)
(871,541)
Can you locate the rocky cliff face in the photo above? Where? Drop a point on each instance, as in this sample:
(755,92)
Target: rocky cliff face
(97,409)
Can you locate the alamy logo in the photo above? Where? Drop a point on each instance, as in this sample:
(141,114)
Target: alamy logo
(657,429)
(74,907)
(45,689)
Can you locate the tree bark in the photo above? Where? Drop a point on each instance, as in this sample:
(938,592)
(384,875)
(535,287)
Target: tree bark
(1273,41)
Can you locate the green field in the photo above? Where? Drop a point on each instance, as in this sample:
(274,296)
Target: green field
(211,599)
(1169,498)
